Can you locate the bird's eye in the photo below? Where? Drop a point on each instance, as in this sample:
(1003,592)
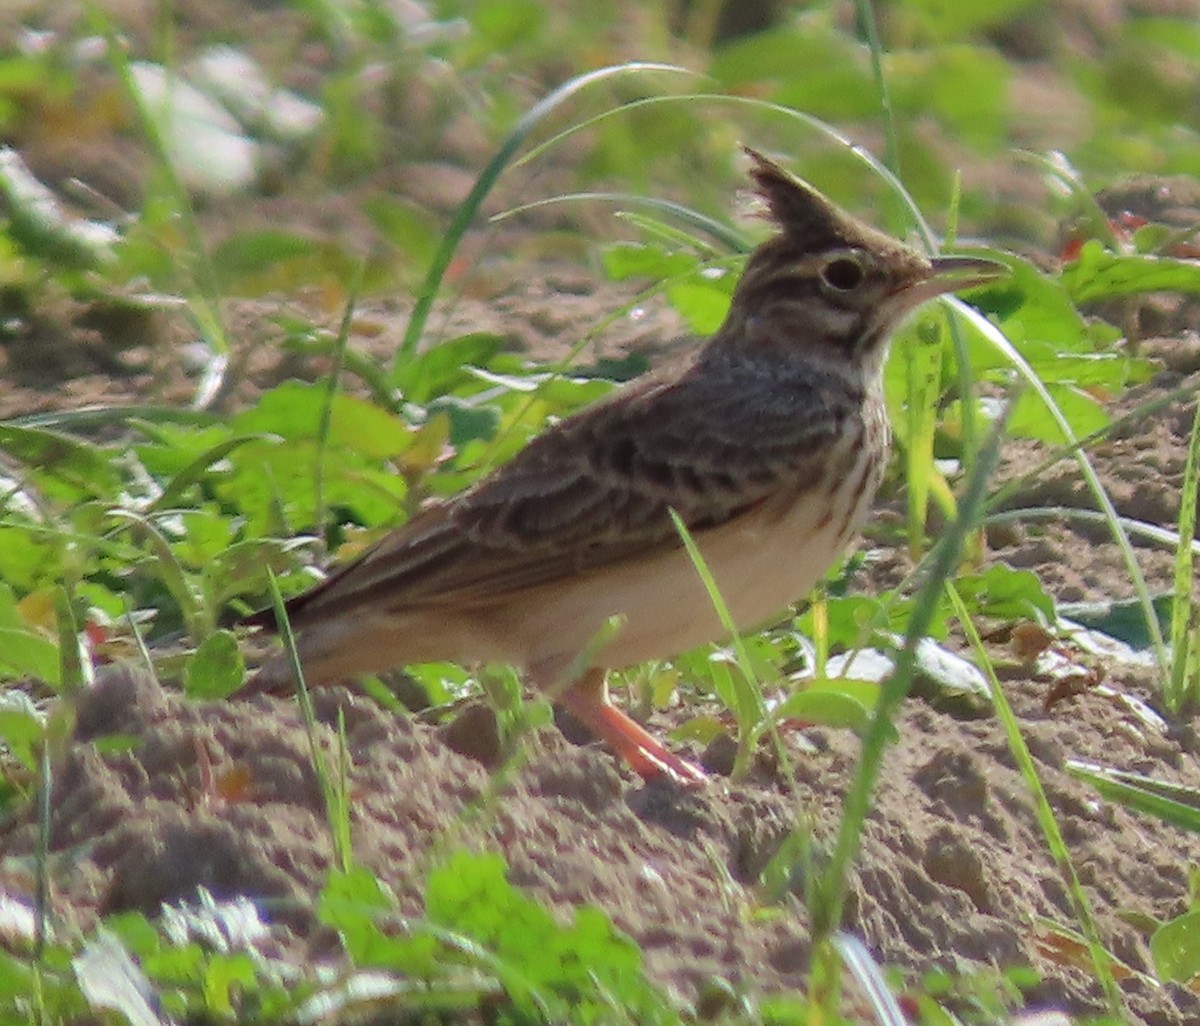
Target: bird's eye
(843,274)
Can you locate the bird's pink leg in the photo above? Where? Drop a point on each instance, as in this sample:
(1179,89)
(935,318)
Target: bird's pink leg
(587,700)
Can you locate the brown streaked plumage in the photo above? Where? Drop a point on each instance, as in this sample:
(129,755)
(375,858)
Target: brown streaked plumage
(769,442)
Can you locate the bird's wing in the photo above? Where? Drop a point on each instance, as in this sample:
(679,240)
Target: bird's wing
(595,490)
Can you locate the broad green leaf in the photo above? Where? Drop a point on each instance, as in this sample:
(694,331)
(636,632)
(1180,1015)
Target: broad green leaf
(958,19)
(83,465)
(196,469)
(268,480)
(172,448)
(1175,947)
(833,702)
(244,568)
(1029,305)
(966,86)
(206,533)
(22,726)
(27,653)
(703,303)
(1124,620)
(639,260)
(1082,412)
(442,368)
(293,411)
(216,669)
(1100,274)
(786,56)
(1008,594)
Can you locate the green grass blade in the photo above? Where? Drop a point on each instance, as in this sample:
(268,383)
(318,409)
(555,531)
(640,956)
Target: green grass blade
(823,128)
(1101,960)
(749,709)
(1101,497)
(487,179)
(866,18)
(1182,687)
(206,292)
(334,788)
(1172,803)
(333,383)
(829,893)
(721,233)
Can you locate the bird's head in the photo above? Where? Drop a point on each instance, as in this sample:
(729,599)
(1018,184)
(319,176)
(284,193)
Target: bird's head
(829,283)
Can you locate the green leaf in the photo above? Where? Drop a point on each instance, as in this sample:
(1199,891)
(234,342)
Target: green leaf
(785,56)
(834,702)
(22,727)
(966,86)
(1008,594)
(958,19)
(1172,803)
(578,969)
(703,303)
(1083,413)
(293,411)
(352,903)
(216,669)
(81,464)
(443,368)
(1100,274)
(639,260)
(26,653)
(1175,947)
(1124,620)
(245,567)
(194,471)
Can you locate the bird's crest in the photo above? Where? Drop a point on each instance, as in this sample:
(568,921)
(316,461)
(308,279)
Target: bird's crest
(802,212)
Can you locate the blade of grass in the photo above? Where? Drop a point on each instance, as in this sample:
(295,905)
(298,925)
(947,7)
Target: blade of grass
(197,617)
(1101,497)
(1172,803)
(336,796)
(857,151)
(829,893)
(204,303)
(97,417)
(1138,528)
(923,368)
(487,179)
(723,234)
(1041,805)
(1182,688)
(750,709)
(866,972)
(333,382)
(866,18)
(41,901)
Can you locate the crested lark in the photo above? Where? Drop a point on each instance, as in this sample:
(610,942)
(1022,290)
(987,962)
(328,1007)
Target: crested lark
(769,443)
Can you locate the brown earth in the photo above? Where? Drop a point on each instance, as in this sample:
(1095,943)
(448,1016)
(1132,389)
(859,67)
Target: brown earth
(954,873)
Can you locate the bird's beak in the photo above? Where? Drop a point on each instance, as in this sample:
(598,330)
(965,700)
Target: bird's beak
(950,274)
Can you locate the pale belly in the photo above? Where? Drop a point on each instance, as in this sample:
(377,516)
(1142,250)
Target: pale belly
(761,564)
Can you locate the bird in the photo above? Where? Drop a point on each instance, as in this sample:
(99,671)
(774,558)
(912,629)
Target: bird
(767,441)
